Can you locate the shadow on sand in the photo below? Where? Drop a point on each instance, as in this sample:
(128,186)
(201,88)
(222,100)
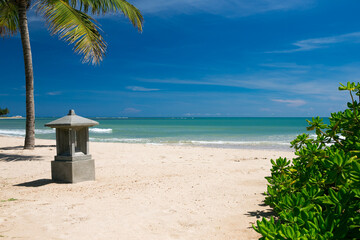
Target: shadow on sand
(17,157)
(10,157)
(260,214)
(267,213)
(35,183)
(22,147)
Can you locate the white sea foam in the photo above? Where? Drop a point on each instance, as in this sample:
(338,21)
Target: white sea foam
(237,143)
(14,132)
(21,132)
(155,144)
(189,142)
(122,140)
(100,130)
(217,144)
(44,131)
(341,137)
(313,136)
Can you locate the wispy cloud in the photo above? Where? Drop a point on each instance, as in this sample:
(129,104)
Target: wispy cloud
(22,88)
(141,89)
(320,81)
(54,93)
(131,110)
(202,114)
(285,65)
(229,8)
(315,43)
(290,103)
(34,17)
(286,83)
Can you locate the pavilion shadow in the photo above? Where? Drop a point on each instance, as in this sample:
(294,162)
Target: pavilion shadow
(35,183)
(17,157)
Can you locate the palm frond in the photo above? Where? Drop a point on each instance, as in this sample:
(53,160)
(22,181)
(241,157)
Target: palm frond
(108,6)
(9,20)
(74,27)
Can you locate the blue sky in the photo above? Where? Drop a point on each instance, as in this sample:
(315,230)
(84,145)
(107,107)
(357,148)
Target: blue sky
(204,58)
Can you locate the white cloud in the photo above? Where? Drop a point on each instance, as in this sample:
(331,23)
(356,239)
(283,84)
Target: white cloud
(229,8)
(202,114)
(285,65)
(22,88)
(34,17)
(316,80)
(54,93)
(131,110)
(290,103)
(315,43)
(141,89)
(284,82)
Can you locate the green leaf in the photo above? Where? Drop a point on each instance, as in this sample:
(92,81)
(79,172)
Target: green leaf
(9,20)
(111,6)
(74,27)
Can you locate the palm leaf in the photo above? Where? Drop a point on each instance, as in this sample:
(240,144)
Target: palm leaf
(106,6)
(74,27)
(9,20)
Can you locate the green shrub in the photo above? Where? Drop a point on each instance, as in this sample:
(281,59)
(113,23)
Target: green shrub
(4,111)
(317,194)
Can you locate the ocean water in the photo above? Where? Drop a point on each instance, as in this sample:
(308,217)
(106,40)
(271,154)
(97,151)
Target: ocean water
(253,133)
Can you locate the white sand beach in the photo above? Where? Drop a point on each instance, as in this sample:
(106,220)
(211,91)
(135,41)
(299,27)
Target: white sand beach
(141,192)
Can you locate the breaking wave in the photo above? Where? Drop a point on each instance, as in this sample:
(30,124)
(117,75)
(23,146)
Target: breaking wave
(218,144)
(21,132)
(121,140)
(100,130)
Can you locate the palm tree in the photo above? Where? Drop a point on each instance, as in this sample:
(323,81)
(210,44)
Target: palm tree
(68,19)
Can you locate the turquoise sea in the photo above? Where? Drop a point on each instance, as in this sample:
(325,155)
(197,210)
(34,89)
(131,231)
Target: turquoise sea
(257,133)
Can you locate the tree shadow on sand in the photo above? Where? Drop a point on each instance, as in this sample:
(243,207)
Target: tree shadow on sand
(260,214)
(267,213)
(17,157)
(22,147)
(10,157)
(35,183)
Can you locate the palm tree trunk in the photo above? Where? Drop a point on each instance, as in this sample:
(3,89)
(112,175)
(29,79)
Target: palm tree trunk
(29,76)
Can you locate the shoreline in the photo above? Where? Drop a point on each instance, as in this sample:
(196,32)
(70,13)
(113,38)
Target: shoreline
(141,192)
(229,133)
(256,145)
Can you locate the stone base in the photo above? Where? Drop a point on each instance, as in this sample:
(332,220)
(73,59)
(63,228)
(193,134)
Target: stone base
(73,171)
(76,157)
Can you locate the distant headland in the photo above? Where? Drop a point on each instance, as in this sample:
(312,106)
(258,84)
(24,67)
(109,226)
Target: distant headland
(13,117)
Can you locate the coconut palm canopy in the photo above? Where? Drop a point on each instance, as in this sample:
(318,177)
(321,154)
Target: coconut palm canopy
(70,20)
